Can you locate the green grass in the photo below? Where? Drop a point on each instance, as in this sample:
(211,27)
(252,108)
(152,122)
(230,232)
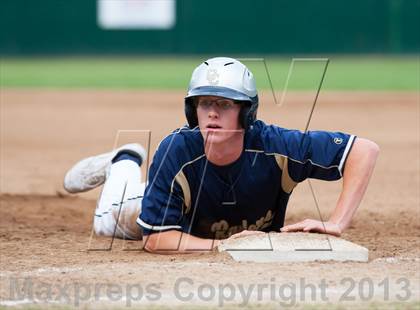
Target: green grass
(344,73)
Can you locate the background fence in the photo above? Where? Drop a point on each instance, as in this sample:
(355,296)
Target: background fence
(31,27)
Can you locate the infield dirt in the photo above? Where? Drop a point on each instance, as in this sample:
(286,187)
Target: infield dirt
(44,233)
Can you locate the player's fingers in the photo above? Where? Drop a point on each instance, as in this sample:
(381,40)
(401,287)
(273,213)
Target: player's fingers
(300,226)
(324,228)
(253,232)
(246,233)
(294,227)
(250,232)
(313,227)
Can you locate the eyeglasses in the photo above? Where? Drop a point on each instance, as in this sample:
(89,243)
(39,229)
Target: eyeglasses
(222,103)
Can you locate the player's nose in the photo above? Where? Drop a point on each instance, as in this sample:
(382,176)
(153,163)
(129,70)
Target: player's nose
(213,113)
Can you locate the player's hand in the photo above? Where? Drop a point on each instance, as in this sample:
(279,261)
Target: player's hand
(245,233)
(241,234)
(310,225)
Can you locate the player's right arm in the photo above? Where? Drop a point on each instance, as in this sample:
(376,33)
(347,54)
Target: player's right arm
(177,242)
(167,200)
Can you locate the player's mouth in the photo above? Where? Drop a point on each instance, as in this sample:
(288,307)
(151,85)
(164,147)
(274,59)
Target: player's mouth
(213,127)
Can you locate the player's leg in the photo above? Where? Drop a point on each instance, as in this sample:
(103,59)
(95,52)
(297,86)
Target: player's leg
(120,200)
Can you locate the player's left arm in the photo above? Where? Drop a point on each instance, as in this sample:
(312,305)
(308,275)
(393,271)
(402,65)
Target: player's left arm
(357,172)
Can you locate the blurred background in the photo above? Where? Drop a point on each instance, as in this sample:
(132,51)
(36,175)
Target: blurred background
(33,27)
(109,40)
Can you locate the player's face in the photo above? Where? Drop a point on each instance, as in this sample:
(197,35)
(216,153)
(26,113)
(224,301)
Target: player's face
(218,118)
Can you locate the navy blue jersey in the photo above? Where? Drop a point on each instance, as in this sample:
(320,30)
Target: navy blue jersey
(188,193)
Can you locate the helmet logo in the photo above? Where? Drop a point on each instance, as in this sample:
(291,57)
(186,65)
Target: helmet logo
(213,77)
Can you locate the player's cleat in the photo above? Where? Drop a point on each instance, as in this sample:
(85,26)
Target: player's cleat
(91,172)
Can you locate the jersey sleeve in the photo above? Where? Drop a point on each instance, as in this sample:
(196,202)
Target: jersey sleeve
(314,154)
(162,204)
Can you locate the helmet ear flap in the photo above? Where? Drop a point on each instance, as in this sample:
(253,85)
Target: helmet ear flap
(248,114)
(243,115)
(252,114)
(191,112)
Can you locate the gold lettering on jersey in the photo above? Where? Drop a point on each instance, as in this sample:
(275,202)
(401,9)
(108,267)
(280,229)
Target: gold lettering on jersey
(222,230)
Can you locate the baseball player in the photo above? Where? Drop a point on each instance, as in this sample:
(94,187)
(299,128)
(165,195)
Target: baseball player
(223,175)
